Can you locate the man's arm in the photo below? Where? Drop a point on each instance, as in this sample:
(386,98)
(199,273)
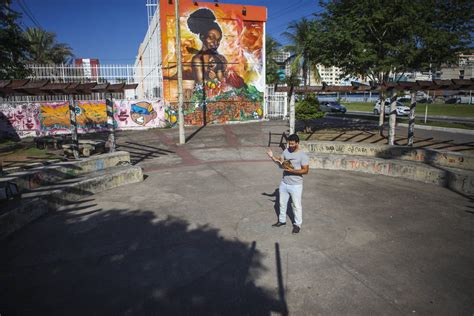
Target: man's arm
(274,158)
(302,171)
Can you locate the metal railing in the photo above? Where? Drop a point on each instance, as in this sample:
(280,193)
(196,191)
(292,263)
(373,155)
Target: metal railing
(276,104)
(149,79)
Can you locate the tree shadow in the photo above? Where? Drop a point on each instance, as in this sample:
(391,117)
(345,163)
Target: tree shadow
(140,152)
(130,262)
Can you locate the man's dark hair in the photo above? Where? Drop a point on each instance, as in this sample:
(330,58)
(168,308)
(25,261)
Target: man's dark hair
(293,138)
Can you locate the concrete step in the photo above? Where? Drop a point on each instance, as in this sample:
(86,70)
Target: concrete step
(45,175)
(459,180)
(36,202)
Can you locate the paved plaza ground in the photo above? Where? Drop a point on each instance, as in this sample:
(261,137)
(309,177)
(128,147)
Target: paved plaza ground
(195,238)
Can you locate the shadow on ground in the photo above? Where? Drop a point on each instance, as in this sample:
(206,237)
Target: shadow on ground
(130,262)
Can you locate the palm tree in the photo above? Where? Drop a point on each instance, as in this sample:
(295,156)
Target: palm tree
(271,66)
(299,35)
(44,49)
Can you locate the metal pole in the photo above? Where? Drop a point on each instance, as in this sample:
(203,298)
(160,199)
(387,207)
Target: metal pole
(182,140)
(72,118)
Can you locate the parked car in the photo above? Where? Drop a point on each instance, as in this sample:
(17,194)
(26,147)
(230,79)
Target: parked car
(452,99)
(401,109)
(332,106)
(422,97)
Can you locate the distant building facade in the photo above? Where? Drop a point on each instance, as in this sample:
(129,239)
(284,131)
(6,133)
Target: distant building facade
(89,66)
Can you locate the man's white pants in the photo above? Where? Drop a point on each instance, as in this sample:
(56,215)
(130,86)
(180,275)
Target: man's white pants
(295,191)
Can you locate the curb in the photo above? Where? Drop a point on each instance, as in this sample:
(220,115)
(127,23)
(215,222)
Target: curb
(441,129)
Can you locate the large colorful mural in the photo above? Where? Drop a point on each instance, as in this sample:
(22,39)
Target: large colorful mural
(52,118)
(222,50)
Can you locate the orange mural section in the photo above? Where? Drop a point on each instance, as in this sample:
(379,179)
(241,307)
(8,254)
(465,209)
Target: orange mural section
(223,61)
(55,118)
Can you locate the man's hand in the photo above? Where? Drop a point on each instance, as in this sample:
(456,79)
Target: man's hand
(304,170)
(270,153)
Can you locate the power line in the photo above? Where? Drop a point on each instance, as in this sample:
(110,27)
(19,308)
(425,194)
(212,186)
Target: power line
(284,10)
(29,14)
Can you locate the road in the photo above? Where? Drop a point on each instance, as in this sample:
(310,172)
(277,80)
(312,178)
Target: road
(435,118)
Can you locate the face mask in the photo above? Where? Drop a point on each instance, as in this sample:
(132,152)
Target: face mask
(139,110)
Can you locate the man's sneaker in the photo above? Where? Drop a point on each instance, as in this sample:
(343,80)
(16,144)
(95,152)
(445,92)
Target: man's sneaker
(296,229)
(278,224)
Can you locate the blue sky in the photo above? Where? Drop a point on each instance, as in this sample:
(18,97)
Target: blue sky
(112,30)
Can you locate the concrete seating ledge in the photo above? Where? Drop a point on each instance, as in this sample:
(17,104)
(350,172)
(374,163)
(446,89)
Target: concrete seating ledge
(42,175)
(50,188)
(447,169)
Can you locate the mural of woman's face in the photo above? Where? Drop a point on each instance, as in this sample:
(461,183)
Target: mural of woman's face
(212,40)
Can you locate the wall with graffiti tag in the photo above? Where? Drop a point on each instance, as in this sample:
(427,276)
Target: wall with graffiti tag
(18,120)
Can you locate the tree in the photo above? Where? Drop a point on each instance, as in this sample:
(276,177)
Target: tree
(307,110)
(271,65)
(375,38)
(13,45)
(299,35)
(44,49)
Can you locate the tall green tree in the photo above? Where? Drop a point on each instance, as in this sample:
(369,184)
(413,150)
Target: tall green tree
(299,36)
(44,49)
(375,38)
(272,48)
(13,45)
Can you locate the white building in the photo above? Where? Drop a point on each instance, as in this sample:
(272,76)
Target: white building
(147,68)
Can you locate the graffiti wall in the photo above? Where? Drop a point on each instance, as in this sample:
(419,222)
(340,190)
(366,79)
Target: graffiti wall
(90,116)
(19,120)
(141,114)
(52,118)
(223,58)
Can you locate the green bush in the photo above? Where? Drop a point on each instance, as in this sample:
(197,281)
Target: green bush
(308,109)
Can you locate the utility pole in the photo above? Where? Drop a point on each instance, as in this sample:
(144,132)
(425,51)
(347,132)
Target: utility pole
(182,140)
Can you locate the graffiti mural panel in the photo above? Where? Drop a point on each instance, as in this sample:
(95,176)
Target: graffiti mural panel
(223,61)
(90,116)
(52,118)
(140,114)
(20,120)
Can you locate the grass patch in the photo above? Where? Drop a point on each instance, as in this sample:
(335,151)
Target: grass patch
(460,110)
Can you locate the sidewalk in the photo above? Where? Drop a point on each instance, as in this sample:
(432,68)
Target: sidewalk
(195,238)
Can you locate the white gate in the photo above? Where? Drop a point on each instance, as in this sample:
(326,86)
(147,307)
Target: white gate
(275,104)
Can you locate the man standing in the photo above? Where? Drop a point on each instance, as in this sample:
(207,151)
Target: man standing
(292,181)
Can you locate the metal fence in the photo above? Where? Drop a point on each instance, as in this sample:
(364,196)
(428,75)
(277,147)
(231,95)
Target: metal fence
(276,104)
(149,79)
